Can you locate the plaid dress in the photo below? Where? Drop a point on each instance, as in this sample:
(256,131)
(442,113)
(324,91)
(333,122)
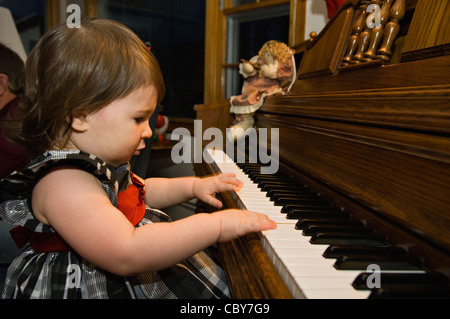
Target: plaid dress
(63,273)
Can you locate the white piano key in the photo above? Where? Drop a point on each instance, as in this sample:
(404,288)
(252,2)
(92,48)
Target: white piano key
(336,294)
(299,250)
(324,282)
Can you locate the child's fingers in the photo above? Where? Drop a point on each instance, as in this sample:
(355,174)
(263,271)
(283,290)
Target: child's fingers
(235,223)
(230,179)
(268,224)
(212,201)
(263,222)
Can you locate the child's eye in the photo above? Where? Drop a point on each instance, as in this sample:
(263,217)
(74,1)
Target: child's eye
(139,119)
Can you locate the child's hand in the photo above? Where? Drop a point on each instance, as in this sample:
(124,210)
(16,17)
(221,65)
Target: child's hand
(235,223)
(206,188)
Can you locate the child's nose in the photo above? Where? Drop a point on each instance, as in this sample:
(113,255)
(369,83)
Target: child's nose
(147,132)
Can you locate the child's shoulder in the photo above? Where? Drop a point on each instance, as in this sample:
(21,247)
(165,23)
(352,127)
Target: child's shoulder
(64,176)
(64,186)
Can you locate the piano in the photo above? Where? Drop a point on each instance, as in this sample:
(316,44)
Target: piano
(362,194)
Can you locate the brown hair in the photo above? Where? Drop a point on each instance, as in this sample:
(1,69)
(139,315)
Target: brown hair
(83,69)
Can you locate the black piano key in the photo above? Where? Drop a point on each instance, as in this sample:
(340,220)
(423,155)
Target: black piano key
(336,251)
(340,222)
(302,203)
(250,170)
(257,172)
(303,197)
(300,196)
(288,209)
(298,193)
(248,164)
(312,212)
(411,292)
(280,181)
(281,186)
(265,177)
(314,229)
(303,223)
(273,193)
(361,262)
(276,181)
(393,280)
(307,195)
(275,187)
(337,238)
(274,184)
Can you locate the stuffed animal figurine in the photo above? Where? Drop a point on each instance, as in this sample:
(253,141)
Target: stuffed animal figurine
(272,71)
(162,123)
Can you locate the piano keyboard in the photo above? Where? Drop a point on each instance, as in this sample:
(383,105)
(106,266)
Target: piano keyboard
(317,249)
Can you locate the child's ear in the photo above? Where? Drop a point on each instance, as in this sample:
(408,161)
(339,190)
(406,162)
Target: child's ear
(3,83)
(79,122)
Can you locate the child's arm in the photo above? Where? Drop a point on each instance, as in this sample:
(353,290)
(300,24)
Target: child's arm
(165,192)
(76,206)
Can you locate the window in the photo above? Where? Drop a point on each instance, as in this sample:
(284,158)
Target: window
(29,17)
(246,33)
(176,31)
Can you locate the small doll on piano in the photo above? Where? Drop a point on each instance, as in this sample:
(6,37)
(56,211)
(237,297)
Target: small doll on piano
(270,72)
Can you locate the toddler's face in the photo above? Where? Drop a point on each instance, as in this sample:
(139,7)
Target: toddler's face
(117,131)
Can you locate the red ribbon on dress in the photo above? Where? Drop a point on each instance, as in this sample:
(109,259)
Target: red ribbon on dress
(130,202)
